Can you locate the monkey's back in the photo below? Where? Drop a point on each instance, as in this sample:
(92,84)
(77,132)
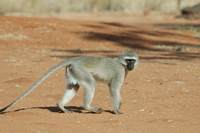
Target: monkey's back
(102,68)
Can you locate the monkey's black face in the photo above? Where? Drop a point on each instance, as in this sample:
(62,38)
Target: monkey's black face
(130,64)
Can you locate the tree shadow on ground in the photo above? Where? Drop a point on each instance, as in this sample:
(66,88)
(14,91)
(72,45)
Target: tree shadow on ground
(142,39)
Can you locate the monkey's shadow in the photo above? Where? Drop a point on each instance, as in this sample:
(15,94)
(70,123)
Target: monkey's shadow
(71,108)
(56,110)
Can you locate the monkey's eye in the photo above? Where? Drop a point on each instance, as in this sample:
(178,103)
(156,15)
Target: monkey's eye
(130,61)
(133,60)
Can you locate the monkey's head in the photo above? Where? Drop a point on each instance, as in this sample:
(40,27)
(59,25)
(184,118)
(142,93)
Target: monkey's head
(129,60)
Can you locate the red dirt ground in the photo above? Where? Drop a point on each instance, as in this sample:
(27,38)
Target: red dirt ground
(160,95)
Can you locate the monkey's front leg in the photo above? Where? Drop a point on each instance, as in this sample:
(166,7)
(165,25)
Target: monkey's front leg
(115,99)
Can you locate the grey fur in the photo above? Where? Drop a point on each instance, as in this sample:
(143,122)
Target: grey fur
(85,71)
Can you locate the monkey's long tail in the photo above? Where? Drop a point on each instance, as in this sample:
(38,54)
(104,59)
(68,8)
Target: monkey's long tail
(58,66)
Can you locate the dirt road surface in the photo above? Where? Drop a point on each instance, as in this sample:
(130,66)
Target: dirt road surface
(160,95)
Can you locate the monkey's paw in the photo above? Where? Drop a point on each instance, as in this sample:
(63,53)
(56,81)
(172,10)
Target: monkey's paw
(117,112)
(99,110)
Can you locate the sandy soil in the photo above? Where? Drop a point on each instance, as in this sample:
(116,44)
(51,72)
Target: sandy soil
(160,95)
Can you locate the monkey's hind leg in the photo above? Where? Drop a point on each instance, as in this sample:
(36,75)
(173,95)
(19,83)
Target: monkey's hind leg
(69,93)
(89,89)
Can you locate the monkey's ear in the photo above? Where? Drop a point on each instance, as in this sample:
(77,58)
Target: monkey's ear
(123,61)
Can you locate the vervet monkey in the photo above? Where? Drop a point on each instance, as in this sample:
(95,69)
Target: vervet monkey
(84,71)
